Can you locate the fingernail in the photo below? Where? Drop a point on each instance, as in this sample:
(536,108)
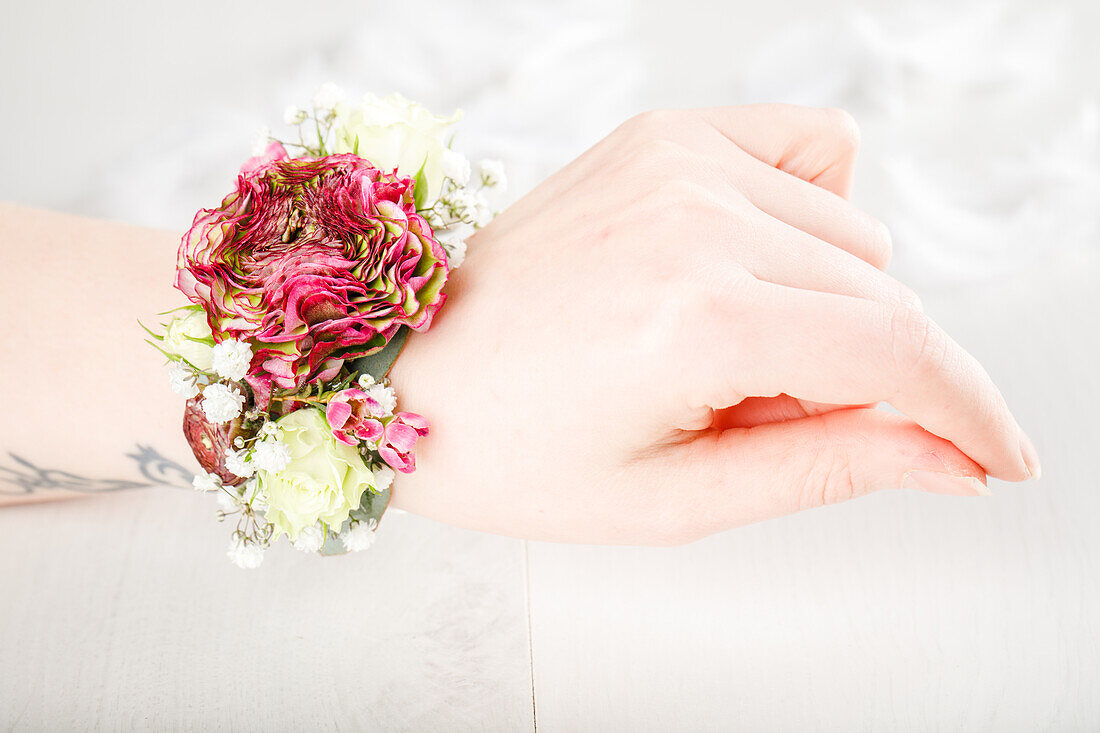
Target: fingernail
(944,483)
(1031,456)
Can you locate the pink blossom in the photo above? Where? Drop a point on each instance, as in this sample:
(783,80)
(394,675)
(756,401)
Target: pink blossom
(353,416)
(399,440)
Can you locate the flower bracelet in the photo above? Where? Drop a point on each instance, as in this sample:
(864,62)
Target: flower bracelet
(305,283)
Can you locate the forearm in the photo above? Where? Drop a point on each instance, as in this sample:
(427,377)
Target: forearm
(86,408)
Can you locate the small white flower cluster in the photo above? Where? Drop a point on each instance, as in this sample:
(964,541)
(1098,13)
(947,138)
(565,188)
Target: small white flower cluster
(231,358)
(245,553)
(380,392)
(253,533)
(237,463)
(383,477)
(327,97)
(310,539)
(463,207)
(229,361)
(358,536)
(224,402)
(355,536)
(206,482)
(271,455)
(267,453)
(183,379)
(221,402)
(384,395)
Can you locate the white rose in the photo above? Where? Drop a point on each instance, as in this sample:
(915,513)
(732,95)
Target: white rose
(188,335)
(323,481)
(393,132)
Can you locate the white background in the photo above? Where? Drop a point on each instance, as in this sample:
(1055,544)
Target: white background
(897,612)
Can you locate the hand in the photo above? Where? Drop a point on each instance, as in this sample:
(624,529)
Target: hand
(686,330)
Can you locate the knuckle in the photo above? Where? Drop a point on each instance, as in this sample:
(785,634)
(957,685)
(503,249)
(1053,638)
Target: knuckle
(719,296)
(650,124)
(909,299)
(919,345)
(828,480)
(878,243)
(660,156)
(680,197)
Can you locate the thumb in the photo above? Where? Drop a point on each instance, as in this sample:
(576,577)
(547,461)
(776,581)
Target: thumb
(814,144)
(744,475)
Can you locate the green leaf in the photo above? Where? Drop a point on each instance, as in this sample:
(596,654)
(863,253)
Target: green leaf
(181,308)
(157,336)
(372,506)
(378,364)
(420,187)
(355,149)
(171,357)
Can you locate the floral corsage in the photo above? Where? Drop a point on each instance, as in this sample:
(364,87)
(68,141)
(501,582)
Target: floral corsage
(305,283)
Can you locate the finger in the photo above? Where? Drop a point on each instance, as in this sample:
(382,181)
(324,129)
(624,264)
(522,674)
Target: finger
(735,477)
(838,349)
(788,256)
(817,145)
(813,210)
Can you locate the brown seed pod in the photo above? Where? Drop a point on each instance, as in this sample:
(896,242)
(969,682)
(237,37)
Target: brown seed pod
(209,441)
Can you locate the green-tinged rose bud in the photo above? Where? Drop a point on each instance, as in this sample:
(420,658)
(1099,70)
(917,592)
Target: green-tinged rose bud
(324,479)
(393,132)
(188,335)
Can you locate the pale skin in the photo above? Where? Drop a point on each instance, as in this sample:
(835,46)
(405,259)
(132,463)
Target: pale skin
(683,331)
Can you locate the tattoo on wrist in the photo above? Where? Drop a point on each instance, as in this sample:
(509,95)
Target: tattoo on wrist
(23,477)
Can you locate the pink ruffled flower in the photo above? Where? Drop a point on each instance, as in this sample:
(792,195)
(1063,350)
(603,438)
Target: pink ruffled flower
(399,440)
(314,261)
(354,416)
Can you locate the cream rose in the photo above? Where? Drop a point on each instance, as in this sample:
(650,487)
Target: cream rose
(188,335)
(324,480)
(393,132)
